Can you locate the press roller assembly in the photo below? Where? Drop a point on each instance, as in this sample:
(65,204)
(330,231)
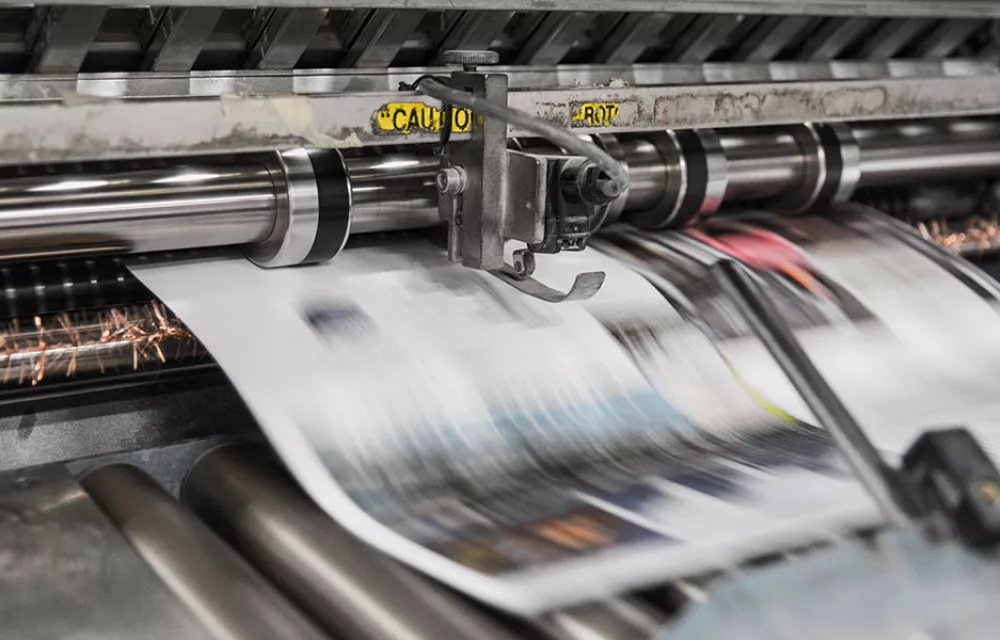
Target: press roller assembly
(142,492)
(299,207)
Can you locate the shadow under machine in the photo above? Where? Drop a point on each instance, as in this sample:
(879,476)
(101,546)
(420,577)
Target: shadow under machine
(290,130)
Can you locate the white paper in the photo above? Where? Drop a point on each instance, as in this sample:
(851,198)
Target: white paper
(428,408)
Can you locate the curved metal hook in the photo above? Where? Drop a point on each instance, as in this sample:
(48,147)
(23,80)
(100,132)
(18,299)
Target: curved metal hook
(584,287)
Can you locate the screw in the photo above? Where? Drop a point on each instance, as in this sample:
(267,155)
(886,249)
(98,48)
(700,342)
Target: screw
(450,180)
(608,188)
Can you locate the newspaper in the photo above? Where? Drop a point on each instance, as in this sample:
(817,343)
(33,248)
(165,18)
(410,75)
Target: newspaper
(908,342)
(530,455)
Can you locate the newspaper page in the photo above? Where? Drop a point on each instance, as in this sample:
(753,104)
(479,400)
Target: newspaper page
(907,341)
(531,455)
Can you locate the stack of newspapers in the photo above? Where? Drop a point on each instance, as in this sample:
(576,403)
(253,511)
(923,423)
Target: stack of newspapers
(536,455)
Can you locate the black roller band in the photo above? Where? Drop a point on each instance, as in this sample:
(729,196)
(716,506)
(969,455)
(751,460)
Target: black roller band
(334,189)
(834,164)
(696,160)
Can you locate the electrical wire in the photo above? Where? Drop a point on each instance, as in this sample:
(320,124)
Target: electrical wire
(563,138)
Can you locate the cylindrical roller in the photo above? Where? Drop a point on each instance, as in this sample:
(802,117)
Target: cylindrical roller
(922,152)
(312,214)
(183,206)
(614,619)
(298,206)
(762,164)
(393,191)
(353,590)
(221,589)
(700,179)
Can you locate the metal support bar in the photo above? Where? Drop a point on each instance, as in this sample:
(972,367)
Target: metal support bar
(947,37)
(381,38)
(60,36)
(701,40)
(884,8)
(765,320)
(836,35)
(892,37)
(630,38)
(475,30)
(284,38)
(178,38)
(771,37)
(554,37)
(476,225)
(58,132)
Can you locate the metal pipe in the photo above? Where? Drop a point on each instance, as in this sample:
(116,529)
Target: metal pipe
(351,589)
(762,316)
(648,172)
(174,207)
(913,153)
(231,599)
(393,191)
(761,164)
(199,205)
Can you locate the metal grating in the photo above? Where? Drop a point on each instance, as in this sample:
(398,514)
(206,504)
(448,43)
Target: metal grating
(71,39)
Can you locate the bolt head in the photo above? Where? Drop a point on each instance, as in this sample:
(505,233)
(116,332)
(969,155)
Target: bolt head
(450,180)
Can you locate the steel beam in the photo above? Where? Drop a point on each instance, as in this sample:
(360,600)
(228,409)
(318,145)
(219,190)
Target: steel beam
(475,30)
(59,131)
(947,37)
(771,37)
(61,36)
(178,38)
(26,88)
(884,8)
(381,38)
(554,37)
(284,38)
(836,35)
(892,37)
(630,38)
(701,40)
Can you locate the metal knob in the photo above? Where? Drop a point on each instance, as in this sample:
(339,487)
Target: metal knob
(451,180)
(470,57)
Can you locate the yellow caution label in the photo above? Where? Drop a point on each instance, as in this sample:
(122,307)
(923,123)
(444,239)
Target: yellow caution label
(595,114)
(417,117)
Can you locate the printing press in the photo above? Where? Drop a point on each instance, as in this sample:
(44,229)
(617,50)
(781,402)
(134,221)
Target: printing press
(138,494)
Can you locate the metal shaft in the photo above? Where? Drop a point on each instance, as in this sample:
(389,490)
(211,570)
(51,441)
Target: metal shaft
(761,164)
(878,478)
(393,191)
(351,589)
(915,153)
(220,588)
(674,179)
(155,209)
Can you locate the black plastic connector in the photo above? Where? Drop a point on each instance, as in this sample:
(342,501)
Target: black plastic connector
(954,476)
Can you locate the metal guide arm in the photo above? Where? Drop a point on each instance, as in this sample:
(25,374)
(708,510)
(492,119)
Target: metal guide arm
(491,194)
(946,481)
